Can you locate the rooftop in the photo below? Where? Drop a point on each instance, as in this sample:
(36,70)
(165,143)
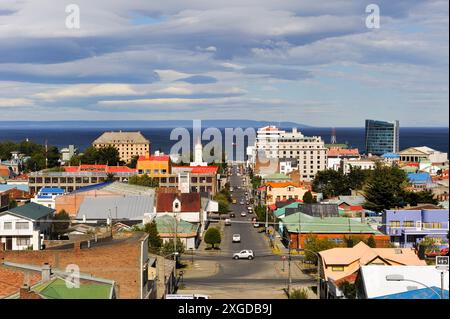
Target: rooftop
(166,224)
(190,202)
(121,137)
(31,211)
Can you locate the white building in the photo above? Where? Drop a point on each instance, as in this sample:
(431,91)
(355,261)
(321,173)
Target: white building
(67,153)
(418,154)
(364,164)
(198,155)
(47,196)
(25,227)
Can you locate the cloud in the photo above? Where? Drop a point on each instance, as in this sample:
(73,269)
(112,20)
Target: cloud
(18,102)
(199,79)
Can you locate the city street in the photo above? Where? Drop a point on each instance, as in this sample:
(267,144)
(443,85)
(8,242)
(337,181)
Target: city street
(262,277)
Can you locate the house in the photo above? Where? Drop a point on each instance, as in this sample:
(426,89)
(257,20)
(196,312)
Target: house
(122,258)
(132,209)
(18,192)
(299,227)
(407,227)
(46,196)
(336,154)
(338,265)
(4,201)
(362,163)
(25,227)
(170,227)
(351,205)
(420,181)
(401,282)
(58,284)
(417,154)
(278,191)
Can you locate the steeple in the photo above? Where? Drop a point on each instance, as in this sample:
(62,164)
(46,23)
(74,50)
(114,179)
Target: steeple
(198,154)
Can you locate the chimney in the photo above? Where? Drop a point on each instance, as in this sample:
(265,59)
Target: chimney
(46,272)
(77,247)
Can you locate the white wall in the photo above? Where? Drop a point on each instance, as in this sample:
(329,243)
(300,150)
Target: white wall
(32,232)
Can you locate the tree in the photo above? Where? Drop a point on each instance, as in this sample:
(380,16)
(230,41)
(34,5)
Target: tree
(313,244)
(169,248)
(352,240)
(110,177)
(224,204)
(301,293)
(12,203)
(308,198)
(154,240)
(385,188)
(61,222)
(371,242)
(330,183)
(143,180)
(348,289)
(357,178)
(133,162)
(212,237)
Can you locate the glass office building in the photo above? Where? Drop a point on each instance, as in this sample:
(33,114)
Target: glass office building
(382,137)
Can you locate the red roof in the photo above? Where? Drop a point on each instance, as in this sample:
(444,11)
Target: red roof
(99,168)
(160,158)
(336,151)
(190,202)
(200,169)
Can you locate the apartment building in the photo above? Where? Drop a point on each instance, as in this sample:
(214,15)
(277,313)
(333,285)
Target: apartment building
(128,144)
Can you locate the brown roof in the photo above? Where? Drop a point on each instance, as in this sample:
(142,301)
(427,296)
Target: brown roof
(12,279)
(190,202)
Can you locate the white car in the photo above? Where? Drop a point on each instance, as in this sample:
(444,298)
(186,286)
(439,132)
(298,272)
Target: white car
(244,254)
(227,222)
(236,238)
(243,214)
(256,225)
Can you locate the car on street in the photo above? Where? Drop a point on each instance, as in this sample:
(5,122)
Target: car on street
(243,214)
(234,201)
(241,202)
(244,254)
(256,225)
(232,215)
(236,238)
(227,222)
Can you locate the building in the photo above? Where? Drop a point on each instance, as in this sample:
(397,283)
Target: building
(363,163)
(56,284)
(25,227)
(75,177)
(20,193)
(338,265)
(288,165)
(420,181)
(4,200)
(67,153)
(198,155)
(272,143)
(128,144)
(131,209)
(122,258)
(299,227)
(157,166)
(336,154)
(192,179)
(406,282)
(71,202)
(382,137)
(423,153)
(407,227)
(46,196)
(170,228)
(278,191)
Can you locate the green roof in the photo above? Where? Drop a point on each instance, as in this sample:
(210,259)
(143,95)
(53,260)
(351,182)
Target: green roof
(166,225)
(276,176)
(281,211)
(409,169)
(309,224)
(336,145)
(59,289)
(32,211)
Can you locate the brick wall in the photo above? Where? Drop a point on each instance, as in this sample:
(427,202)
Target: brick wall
(119,262)
(382,241)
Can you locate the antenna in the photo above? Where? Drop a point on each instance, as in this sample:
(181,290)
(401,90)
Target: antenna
(333,135)
(46,153)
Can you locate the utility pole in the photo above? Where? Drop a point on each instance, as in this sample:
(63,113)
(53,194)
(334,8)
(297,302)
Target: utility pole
(289,270)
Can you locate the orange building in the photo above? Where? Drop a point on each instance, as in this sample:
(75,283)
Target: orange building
(154,166)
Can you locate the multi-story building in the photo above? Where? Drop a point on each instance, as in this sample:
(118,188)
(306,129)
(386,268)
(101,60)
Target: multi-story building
(310,152)
(74,177)
(407,227)
(192,179)
(128,144)
(282,191)
(423,153)
(337,154)
(157,166)
(46,196)
(364,163)
(382,137)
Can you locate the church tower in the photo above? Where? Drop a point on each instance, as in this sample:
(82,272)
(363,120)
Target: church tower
(198,154)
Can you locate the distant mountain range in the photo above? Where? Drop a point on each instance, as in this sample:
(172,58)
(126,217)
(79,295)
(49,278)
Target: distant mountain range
(128,124)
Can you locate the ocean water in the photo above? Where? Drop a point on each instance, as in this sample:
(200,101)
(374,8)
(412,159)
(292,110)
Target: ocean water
(436,138)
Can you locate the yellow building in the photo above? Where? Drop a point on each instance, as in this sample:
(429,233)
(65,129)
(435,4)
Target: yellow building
(128,144)
(154,166)
(281,191)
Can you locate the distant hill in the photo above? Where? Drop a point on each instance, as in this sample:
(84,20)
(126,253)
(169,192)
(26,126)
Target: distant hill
(143,124)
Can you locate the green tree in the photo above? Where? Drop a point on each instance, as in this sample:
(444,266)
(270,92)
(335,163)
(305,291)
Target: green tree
(308,198)
(352,240)
(143,180)
(371,242)
(315,245)
(169,248)
(348,289)
(12,203)
(212,237)
(154,240)
(330,183)
(357,178)
(385,188)
(301,293)
(224,204)
(133,162)
(110,177)
(61,222)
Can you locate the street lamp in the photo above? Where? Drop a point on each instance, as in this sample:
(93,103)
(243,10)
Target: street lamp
(397,277)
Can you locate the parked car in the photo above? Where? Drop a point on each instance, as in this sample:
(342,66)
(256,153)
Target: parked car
(234,201)
(244,254)
(243,214)
(256,225)
(236,238)
(227,222)
(232,215)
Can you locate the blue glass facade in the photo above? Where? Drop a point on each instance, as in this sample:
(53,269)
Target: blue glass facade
(382,137)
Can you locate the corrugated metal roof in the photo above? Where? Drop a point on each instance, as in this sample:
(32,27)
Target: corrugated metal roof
(117,207)
(32,211)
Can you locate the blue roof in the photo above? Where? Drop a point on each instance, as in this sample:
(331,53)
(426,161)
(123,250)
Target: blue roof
(391,155)
(423,293)
(419,177)
(7,187)
(91,187)
(52,190)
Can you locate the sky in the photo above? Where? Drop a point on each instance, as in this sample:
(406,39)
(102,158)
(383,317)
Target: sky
(305,61)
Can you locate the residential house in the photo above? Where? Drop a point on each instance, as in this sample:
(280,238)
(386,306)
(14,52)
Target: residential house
(278,191)
(337,154)
(401,282)
(170,228)
(46,196)
(338,265)
(363,163)
(407,227)
(420,181)
(18,192)
(25,227)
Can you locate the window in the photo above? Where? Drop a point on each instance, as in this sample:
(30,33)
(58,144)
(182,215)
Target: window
(432,225)
(23,242)
(337,268)
(394,223)
(408,223)
(7,225)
